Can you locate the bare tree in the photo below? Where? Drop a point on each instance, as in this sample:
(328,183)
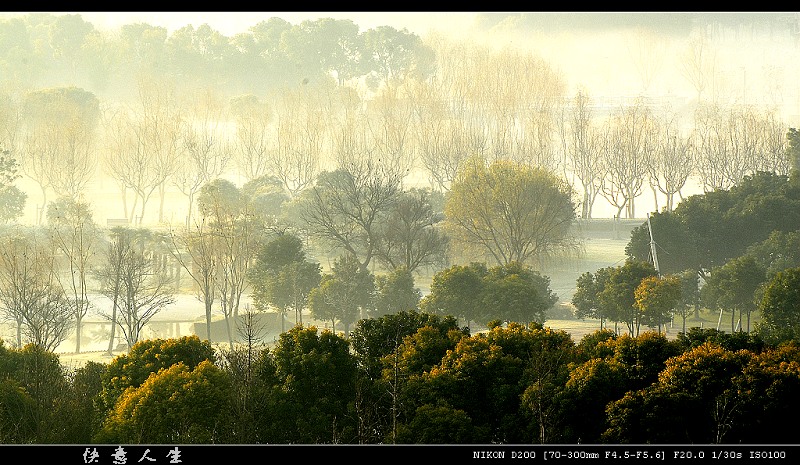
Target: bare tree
(76,161)
(229,215)
(444,135)
(774,157)
(449,112)
(499,93)
(38,159)
(712,147)
(349,133)
(519,93)
(745,135)
(774,79)
(124,160)
(346,207)
(252,135)
(610,189)
(389,125)
(75,235)
(237,246)
(30,293)
(144,147)
(672,164)
(542,93)
(159,132)
(698,63)
(433,134)
(581,142)
(60,136)
(206,147)
(111,279)
(300,129)
(217,251)
(729,145)
(628,156)
(128,277)
(195,251)
(467,100)
(452,147)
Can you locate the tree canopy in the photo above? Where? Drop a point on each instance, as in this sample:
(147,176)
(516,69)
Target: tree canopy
(708,230)
(344,295)
(780,307)
(512,293)
(610,293)
(510,211)
(282,276)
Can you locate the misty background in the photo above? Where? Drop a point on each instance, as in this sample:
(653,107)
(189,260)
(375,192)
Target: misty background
(747,59)
(676,61)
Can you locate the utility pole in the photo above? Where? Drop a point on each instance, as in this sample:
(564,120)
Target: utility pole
(653,247)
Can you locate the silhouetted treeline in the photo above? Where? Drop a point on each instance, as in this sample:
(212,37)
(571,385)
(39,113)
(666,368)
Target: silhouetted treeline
(42,50)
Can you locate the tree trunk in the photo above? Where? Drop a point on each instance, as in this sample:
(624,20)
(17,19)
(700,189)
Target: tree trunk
(113,325)
(208,319)
(228,330)
(78,321)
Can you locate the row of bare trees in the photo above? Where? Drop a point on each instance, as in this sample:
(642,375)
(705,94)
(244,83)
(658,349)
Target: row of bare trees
(164,142)
(52,276)
(637,147)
